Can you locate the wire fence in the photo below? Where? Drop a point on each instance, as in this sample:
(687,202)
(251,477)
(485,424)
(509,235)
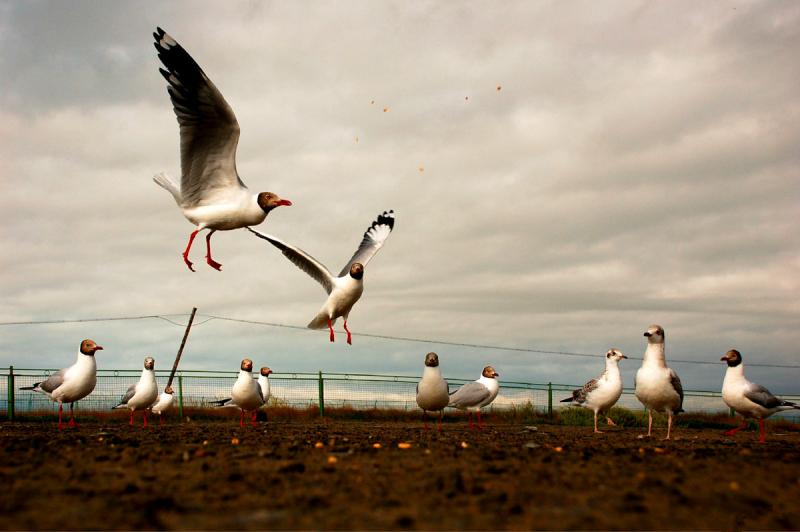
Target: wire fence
(197,389)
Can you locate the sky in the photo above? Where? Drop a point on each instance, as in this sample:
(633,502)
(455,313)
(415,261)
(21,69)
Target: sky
(563,174)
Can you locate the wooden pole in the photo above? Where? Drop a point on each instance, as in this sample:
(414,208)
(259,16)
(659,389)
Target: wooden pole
(180,351)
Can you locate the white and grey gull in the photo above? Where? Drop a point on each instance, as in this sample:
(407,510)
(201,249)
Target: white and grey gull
(345,289)
(246,394)
(658,386)
(601,393)
(142,394)
(475,395)
(433,394)
(163,403)
(749,399)
(211,194)
(73,383)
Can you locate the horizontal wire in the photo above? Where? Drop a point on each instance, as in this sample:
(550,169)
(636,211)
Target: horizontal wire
(210,317)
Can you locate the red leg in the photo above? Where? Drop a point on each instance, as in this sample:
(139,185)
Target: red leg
(480,423)
(72,416)
(188,247)
(160,419)
(441,414)
(211,262)
(144,416)
(761,433)
(736,429)
(130,423)
(330,326)
(241,419)
(469,415)
(253,418)
(425,418)
(60,409)
(349,336)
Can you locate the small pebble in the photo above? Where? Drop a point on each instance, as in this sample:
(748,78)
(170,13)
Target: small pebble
(404,445)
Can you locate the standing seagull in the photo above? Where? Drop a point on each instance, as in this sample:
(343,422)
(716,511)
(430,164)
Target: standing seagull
(263,383)
(144,393)
(344,290)
(601,393)
(657,386)
(749,399)
(211,194)
(163,403)
(246,393)
(432,391)
(474,395)
(73,383)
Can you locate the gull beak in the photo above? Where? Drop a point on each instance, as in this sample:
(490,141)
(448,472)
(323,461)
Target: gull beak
(647,334)
(724,358)
(623,356)
(285,202)
(98,348)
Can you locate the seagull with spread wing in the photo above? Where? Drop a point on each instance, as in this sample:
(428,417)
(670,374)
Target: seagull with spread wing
(344,290)
(211,194)
(749,399)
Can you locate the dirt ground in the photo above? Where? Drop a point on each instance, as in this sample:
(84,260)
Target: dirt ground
(354,475)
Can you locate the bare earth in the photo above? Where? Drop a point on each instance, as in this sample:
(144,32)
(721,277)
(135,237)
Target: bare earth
(315,475)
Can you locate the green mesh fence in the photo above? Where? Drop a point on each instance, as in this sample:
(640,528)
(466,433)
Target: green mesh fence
(197,389)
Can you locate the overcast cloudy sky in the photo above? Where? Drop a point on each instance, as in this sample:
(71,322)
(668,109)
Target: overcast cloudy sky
(638,165)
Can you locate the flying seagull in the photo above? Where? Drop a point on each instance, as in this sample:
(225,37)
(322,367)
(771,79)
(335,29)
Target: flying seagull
(344,290)
(142,394)
(73,383)
(749,399)
(211,194)
(657,386)
(601,393)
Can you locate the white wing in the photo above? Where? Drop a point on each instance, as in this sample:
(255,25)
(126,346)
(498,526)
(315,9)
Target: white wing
(302,260)
(373,240)
(209,130)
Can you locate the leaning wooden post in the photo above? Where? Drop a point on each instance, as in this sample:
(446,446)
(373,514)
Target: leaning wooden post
(180,350)
(180,396)
(321,396)
(11,393)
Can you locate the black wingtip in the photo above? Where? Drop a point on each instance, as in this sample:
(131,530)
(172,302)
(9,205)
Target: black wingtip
(387,218)
(567,400)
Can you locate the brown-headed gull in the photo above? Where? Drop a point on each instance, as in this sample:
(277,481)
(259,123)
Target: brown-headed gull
(211,194)
(142,394)
(433,393)
(657,386)
(475,395)
(601,393)
(73,383)
(344,290)
(246,394)
(163,403)
(749,399)
(263,384)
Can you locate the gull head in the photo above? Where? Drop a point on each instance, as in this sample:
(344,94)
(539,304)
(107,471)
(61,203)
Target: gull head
(615,355)
(655,334)
(88,347)
(268,201)
(266,372)
(357,271)
(169,390)
(247,365)
(733,358)
(490,373)
(432,360)
(149,363)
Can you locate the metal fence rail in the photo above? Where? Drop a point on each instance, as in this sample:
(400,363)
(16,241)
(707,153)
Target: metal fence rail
(196,389)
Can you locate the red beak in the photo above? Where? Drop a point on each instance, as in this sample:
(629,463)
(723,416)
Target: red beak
(285,202)
(98,348)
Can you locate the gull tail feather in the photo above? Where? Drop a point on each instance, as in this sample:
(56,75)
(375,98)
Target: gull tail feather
(166,182)
(320,321)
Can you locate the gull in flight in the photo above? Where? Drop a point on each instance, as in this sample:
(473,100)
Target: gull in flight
(344,290)
(211,195)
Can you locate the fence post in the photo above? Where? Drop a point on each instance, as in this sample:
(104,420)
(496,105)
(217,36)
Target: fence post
(11,393)
(550,399)
(321,396)
(180,396)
